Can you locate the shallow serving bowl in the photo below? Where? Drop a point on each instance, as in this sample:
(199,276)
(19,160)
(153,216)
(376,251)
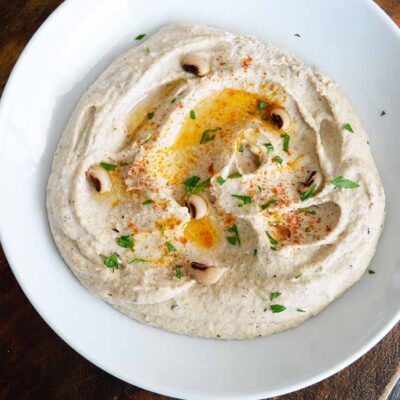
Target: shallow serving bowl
(353,42)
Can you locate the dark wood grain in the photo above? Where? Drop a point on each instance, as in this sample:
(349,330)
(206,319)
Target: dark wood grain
(36,364)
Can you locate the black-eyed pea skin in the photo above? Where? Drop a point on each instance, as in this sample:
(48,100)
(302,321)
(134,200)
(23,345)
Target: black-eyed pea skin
(99,178)
(197,205)
(204,274)
(195,65)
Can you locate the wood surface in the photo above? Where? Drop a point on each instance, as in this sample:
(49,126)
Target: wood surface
(36,364)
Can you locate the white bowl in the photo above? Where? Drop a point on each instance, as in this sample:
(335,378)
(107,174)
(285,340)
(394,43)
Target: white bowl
(353,42)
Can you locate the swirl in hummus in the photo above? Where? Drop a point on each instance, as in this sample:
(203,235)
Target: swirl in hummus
(212,185)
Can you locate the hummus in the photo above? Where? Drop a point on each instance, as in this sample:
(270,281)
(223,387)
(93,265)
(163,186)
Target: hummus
(212,185)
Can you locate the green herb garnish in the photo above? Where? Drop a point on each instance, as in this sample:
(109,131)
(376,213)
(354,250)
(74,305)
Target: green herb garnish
(348,127)
(277,308)
(344,183)
(278,160)
(255,251)
(270,148)
(383,113)
(137,260)
(299,310)
(259,188)
(297,34)
(148,201)
(308,193)
(262,104)
(307,229)
(274,295)
(178,271)
(173,100)
(235,175)
(298,276)
(170,246)
(305,211)
(126,241)
(201,186)
(108,167)
(236,238)
(148,50)
(272,241)
(371,271)
(191,183)
(206,137)
(244,199)
(112,261)
(150,115)
(268,203)
(221,180)
(286,140)
(192,114)
(241,148)
(140,37)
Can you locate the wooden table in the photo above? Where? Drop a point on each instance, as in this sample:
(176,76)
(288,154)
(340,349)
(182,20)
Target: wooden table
(36,364)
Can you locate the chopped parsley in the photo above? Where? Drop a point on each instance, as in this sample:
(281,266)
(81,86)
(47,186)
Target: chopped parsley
(206,137)
(286,140)
(371,271)
(140,37)
(255,251)
(270,148)
(307,229)
(112,261)
(278,160)
(310,212)
(308,193)
(192,114)
(273,242)
(191,183)
(170,246)
(201,186)
(150,115)
(178,271)
(235,175)
(344,183)
(236,238)
(148,201)
(300,310)
(137,260)
(173,100)
(269,203)
(245,199)
(241,148)
(123,164)
(297,34)
(277,308)
(259,188)
(108,167)
(126,242)
(274,295)
(221,180)
(348,127)
(298,276)
(383,113)
(147,50)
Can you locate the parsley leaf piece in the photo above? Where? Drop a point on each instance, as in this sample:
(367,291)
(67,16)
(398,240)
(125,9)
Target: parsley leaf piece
(192,114)
(241,148)
(268,203)
(232,240)
(191,183)
(277,308)
(300,310)
(235,175)
(112,261)
(201,186)
(140,37)
(278,160)
(286,140)
(259,188)
(371,271)
(206,137)
(274,295)
(108,167)
(148,201)
(298,276)
(297,34)
(147,50)
(150,115)
(178,271)
(262,104)
(123,164)
(170,246)
(244,199)
(126,242)
(173,100)
(270,148)
(272,240)
(137,260)
(307,229)
(255,251)
(310,212)
(221,180)
(383,113)
(308,193)
(348,127)
(344,183)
